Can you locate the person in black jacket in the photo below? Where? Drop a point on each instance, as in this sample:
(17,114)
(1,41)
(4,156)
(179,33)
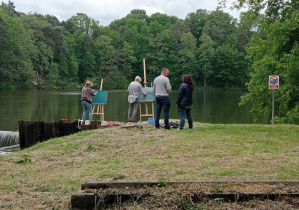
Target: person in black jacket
(184,101)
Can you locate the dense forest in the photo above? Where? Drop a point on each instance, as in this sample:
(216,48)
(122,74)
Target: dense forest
(40,51)
(217,50)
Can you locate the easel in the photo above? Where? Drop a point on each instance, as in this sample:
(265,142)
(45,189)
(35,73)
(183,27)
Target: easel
(147,114)
(100,107)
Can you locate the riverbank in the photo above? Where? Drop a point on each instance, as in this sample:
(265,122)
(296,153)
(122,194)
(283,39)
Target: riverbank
(45,175)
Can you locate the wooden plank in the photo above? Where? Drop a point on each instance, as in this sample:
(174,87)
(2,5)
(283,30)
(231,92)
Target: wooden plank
(99,185)
(83,201)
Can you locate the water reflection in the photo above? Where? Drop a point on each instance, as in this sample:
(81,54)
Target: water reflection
(209,107)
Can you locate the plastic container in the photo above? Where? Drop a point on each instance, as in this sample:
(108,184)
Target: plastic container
(151,121)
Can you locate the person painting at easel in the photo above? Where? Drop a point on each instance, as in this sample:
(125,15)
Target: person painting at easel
(86,99)
(135,90)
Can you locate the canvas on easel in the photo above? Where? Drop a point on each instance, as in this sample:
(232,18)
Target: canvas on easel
(147,99)
(98,102)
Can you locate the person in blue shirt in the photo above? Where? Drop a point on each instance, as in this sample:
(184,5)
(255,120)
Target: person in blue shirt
(184,101)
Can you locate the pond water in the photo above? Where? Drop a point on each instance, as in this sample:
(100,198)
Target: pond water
(41,105)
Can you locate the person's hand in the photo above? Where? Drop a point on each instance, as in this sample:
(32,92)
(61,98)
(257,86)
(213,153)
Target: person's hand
(144,93)
(177,105)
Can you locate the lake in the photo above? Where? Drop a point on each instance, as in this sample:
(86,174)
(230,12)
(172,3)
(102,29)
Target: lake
(44,105)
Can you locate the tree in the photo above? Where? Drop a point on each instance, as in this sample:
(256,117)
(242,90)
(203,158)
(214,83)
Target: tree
(41,49)
(187,56)
(15,66)
(275,55)
(205,58)
(196,22)
(139,14)
(176,32)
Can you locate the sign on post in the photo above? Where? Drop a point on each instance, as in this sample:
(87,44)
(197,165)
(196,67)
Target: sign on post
(273,82)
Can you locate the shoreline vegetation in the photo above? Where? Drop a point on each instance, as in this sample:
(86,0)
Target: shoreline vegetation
(46,175)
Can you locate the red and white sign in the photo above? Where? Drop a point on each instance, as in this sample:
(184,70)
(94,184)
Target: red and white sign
(273,82)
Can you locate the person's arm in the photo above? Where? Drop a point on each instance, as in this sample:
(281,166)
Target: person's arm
(168,86)
(180,95)
(129,88)
(92,92)
(140,91)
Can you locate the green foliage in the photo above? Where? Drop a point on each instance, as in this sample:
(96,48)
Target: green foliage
(219,190)
(39,51)
(24,160)
(162,182)
(186,202)
(206,55)
(219,200)
(69,148)
(275,53)
(90,146)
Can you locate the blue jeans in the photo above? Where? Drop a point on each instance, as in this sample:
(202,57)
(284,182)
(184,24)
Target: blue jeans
(87,107)
(183,112)
(162,101)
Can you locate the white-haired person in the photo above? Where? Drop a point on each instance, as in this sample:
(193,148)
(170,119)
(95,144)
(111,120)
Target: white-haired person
(135,90)
(86,99)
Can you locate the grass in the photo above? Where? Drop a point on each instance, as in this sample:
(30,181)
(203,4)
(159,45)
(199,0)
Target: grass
(58,167)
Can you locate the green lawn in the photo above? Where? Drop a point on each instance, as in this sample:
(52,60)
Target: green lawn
(51,171)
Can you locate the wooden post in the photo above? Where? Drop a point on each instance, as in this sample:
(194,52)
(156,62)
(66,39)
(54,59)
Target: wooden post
(145,82)
(146,114)
(85,127)
(22,133)
(273,99)
(93,125)
(60,129)
(40,130)
(75,126)
(68,128)
(100,110)
(100,107)
(30,134)
(50,130)
(101,85)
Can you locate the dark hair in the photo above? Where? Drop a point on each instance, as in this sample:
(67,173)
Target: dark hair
(187,79)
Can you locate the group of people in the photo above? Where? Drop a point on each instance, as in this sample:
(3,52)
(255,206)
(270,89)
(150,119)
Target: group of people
(162,88)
